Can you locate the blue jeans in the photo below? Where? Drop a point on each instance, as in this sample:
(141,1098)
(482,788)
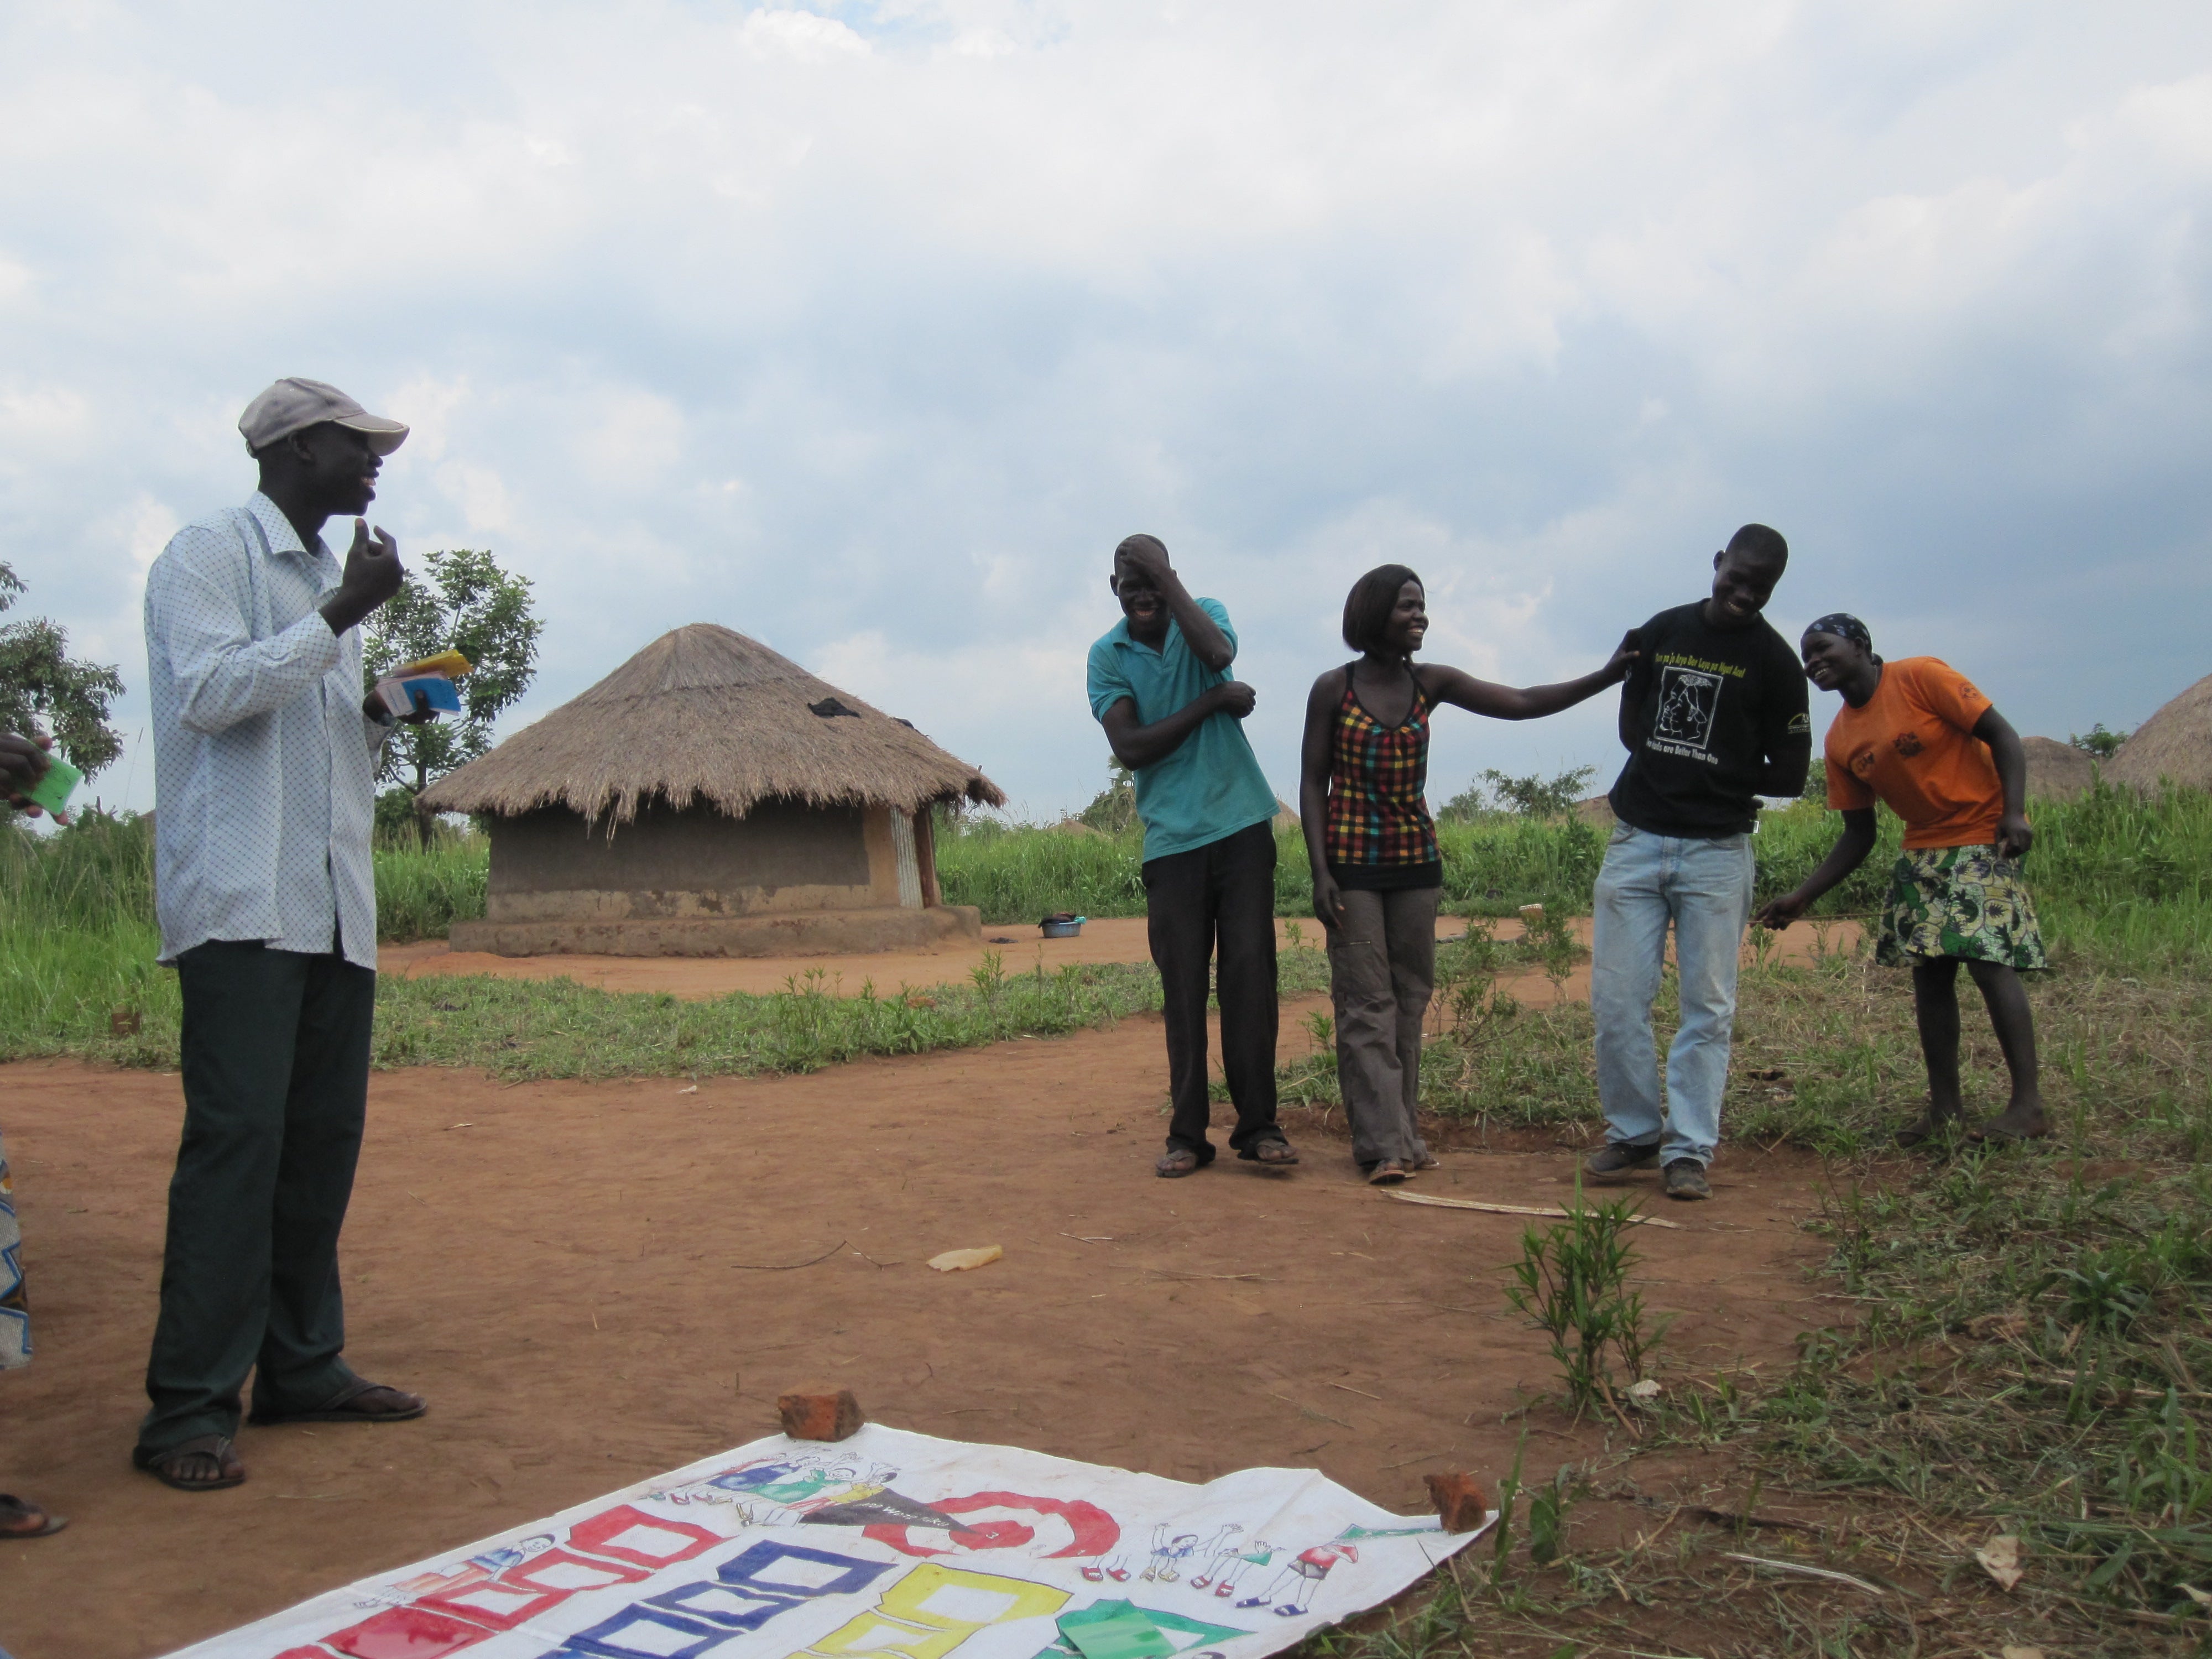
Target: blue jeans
(1703,887)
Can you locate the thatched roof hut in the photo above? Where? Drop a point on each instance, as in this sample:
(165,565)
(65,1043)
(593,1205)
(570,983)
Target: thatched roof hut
(711,798)
(2174,745)
(2055,771)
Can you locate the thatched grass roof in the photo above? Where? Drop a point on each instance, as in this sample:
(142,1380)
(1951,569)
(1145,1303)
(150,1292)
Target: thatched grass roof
(2055,771)
(704,714)
(2175,743)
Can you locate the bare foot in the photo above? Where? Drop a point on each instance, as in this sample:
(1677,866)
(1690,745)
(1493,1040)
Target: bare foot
(2021,1120)
(1930,1125)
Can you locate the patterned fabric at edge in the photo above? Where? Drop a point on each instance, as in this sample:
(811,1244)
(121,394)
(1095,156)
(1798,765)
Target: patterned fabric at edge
(1960,902)
(15,1310)
(1377,821)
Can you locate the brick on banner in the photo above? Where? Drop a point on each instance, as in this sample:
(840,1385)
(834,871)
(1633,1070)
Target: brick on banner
(819,1416)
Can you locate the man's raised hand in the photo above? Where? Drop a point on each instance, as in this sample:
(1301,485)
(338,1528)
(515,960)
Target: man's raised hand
(373,574)
(1624,655)
(22,763)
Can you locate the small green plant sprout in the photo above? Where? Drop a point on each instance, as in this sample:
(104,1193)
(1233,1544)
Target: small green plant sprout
(989,975)
(1467,974)
(1548,1505)
(1547,937)
(1501,1539)
(1572,1283)
(1322,1030)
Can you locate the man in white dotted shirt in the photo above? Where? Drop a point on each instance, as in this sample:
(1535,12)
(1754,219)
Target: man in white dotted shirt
(264,756)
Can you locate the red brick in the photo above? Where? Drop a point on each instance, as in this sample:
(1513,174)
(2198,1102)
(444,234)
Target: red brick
(820,1416)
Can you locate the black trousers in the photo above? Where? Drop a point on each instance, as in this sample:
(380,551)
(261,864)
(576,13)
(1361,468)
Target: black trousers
(275,1074)
(1217,899)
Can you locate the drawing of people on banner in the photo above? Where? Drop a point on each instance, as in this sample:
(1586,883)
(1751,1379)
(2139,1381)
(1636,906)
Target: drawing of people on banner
(1308,1567)
(1258,1553)
(1169,1554)
(1216,1552)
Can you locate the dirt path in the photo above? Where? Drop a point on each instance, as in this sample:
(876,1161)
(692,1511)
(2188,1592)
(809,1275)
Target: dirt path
(1113,938)
(555,1266)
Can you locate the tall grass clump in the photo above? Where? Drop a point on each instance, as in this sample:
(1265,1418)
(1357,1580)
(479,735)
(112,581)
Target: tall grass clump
(77,939)
(1019,872)
(421,891)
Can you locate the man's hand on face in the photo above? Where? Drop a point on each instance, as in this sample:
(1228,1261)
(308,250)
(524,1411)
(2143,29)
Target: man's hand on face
(22,763)
(373,574)
(1148,562)
(1235,698)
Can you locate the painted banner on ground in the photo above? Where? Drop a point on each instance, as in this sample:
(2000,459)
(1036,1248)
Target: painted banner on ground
(886,1546)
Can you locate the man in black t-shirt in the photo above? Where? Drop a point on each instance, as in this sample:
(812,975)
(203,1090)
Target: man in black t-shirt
(1713,715)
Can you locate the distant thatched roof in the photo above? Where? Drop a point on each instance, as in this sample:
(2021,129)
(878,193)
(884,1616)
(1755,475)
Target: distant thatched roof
(2055,771)
(2175,743)
(707,715)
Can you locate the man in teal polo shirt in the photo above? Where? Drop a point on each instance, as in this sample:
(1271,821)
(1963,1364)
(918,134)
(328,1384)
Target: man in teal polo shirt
(1159,684)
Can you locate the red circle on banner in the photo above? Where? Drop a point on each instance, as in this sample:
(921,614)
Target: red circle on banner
(1094,1531)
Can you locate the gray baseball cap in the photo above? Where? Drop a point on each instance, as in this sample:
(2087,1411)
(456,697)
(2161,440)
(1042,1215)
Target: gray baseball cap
(294,403)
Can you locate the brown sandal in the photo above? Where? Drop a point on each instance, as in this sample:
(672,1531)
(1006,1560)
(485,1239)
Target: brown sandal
(162,1464)
(1274,1152)
(19,1519)
(1175,1163)
(1388,1173)
(350,1404)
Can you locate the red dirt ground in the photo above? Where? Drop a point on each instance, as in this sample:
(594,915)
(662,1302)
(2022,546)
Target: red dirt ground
(576,1276)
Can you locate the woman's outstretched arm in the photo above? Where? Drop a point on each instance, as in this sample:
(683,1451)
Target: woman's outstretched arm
(1314,764)
(1512,702)
(1848,852)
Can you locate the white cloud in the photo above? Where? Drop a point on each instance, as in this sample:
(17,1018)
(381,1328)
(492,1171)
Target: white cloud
(1542,299)
(481,494)
(800,34)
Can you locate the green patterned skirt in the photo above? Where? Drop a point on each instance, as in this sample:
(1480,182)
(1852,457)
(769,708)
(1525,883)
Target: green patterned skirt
(1965,903)
(14,1311)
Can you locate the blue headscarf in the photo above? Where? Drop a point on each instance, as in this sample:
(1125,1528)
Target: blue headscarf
(1843,626)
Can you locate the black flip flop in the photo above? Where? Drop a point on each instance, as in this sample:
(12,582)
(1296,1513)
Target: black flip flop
(13,1509)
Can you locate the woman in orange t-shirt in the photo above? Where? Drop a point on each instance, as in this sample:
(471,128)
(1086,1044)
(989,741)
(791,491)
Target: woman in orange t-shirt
(1915,735)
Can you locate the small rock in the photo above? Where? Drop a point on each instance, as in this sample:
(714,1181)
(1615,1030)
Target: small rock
(1643,1394)
(2000,1559)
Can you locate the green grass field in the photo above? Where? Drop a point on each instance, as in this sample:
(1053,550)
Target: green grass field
(2119,878)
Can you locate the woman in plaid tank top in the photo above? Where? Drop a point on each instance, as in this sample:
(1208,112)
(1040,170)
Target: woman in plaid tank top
(1377,875)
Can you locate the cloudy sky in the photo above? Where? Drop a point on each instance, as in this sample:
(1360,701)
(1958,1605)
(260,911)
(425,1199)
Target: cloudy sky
(868,329)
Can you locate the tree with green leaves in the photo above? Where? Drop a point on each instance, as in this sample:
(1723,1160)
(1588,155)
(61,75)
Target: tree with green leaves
(465,602)
(1113,810)
(2098,741)
(1531,797)
(41,684)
